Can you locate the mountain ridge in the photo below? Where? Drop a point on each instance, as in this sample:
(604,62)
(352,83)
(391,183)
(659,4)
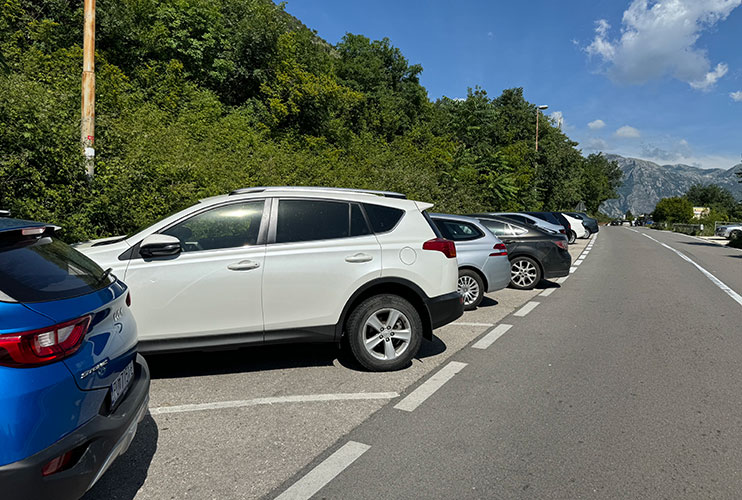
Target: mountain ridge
(646,182)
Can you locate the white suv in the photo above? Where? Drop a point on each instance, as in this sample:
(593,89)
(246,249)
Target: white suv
(285,264)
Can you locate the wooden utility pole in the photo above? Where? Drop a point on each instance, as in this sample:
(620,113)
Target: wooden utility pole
(87,132)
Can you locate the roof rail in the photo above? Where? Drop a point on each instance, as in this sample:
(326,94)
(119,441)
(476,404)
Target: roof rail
(387,194)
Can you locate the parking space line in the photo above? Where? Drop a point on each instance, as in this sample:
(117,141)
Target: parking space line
(561,280)
(428,388)
(530,306)
(547,292)
(577,262)
(464,323)
(325,472)
(490,338)
(310,398)
(572,269)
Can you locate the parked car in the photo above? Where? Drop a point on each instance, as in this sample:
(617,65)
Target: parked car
(534,253)
(483,259)
(730,231)
(530,220)
(280,264)
(558,220)
(590,223)
(577,228)
(73,386)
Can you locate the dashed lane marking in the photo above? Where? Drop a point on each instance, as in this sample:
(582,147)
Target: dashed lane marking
(547,292)
(428,388)
(490,338)
(464,323)
(325,472)
(530,306)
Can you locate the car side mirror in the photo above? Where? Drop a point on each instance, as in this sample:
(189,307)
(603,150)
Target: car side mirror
(159,245)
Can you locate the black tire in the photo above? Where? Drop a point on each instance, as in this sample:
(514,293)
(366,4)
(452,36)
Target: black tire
(525,273)
(572,237)
(471,287)
(361,334)
(735,235)
(588,233)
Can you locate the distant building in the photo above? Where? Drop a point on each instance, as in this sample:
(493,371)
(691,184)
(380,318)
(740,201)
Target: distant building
(700,212)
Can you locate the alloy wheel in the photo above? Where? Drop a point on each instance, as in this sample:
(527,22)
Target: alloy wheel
(523,273)
(469,289)
(386,334)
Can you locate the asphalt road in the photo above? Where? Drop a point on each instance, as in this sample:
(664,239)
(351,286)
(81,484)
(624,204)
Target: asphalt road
(241,424)
(623,383)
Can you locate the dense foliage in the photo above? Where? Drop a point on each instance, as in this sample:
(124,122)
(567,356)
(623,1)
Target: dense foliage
(673,210)
(198,97)
(721,201)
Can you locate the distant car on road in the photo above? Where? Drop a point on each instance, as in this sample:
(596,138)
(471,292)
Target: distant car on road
(483,259)
(72,386)
(291,264)
(534,253)
(729,231)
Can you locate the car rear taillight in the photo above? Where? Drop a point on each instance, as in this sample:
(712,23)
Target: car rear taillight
(499,249)
(448,247)
(46,345)
(562,244)
(563,231)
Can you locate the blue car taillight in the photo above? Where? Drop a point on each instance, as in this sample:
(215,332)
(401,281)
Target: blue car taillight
(43,346)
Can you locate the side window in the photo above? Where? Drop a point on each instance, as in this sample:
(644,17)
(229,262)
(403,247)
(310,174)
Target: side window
(497,228)
(459,231)
(382,219)
(517,230)
(358,225)
(228,226)
(308,220)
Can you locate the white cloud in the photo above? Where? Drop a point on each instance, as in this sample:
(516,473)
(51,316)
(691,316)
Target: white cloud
(596,125)
(674,152)
(596,144)
(558,118)
(658,38)
(628,132)
(736,96)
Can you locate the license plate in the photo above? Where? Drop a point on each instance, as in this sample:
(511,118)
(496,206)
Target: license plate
(122,383)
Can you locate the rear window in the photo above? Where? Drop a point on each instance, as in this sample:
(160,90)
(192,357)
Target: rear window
(46,269)
(458,231)
(382,219)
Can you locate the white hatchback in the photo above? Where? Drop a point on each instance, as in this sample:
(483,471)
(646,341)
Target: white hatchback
(283,264)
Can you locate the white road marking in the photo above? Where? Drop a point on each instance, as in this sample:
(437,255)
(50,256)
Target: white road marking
(428,388)
(530,306)
(489,339)
(547,292)
(325,472)
(716,281)
(310,398)
(578,262)
(584,254)
(572,270)
(562,279)
(634,230)
(463,323)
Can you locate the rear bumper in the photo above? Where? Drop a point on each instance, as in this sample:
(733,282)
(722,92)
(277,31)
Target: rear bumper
(557,264)
(101,440)
(445,308)
(497,272)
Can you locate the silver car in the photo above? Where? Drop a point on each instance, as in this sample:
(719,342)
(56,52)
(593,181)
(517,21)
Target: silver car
(729,231)
(483,259)
(532,221)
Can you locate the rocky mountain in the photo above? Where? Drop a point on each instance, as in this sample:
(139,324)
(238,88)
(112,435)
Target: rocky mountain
(646,182)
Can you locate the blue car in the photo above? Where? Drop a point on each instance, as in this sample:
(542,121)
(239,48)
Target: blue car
(72,386)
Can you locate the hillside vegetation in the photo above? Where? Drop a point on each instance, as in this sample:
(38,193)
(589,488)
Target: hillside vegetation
(198,97)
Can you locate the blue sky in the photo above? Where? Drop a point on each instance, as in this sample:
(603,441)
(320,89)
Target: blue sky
(660,80)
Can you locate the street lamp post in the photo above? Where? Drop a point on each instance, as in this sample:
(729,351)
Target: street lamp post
(538,112)
(87,124)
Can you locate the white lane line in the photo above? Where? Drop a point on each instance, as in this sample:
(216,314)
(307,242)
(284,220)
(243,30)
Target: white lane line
(716,281)
(584,254)
(547,292)
(530,306)
(572,270)
(325,472)
(561,280)
(428,388)
(310,398)
(578,262)
(463,323)
(490,338)
(634,230)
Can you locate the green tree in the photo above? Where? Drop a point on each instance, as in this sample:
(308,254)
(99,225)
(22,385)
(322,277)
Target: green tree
(673,210)
(712,196)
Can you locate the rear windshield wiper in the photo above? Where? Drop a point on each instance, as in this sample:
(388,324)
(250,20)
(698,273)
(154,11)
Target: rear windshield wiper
(105,274)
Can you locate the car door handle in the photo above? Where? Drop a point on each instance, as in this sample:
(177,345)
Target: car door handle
(243,265)
(359,257)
